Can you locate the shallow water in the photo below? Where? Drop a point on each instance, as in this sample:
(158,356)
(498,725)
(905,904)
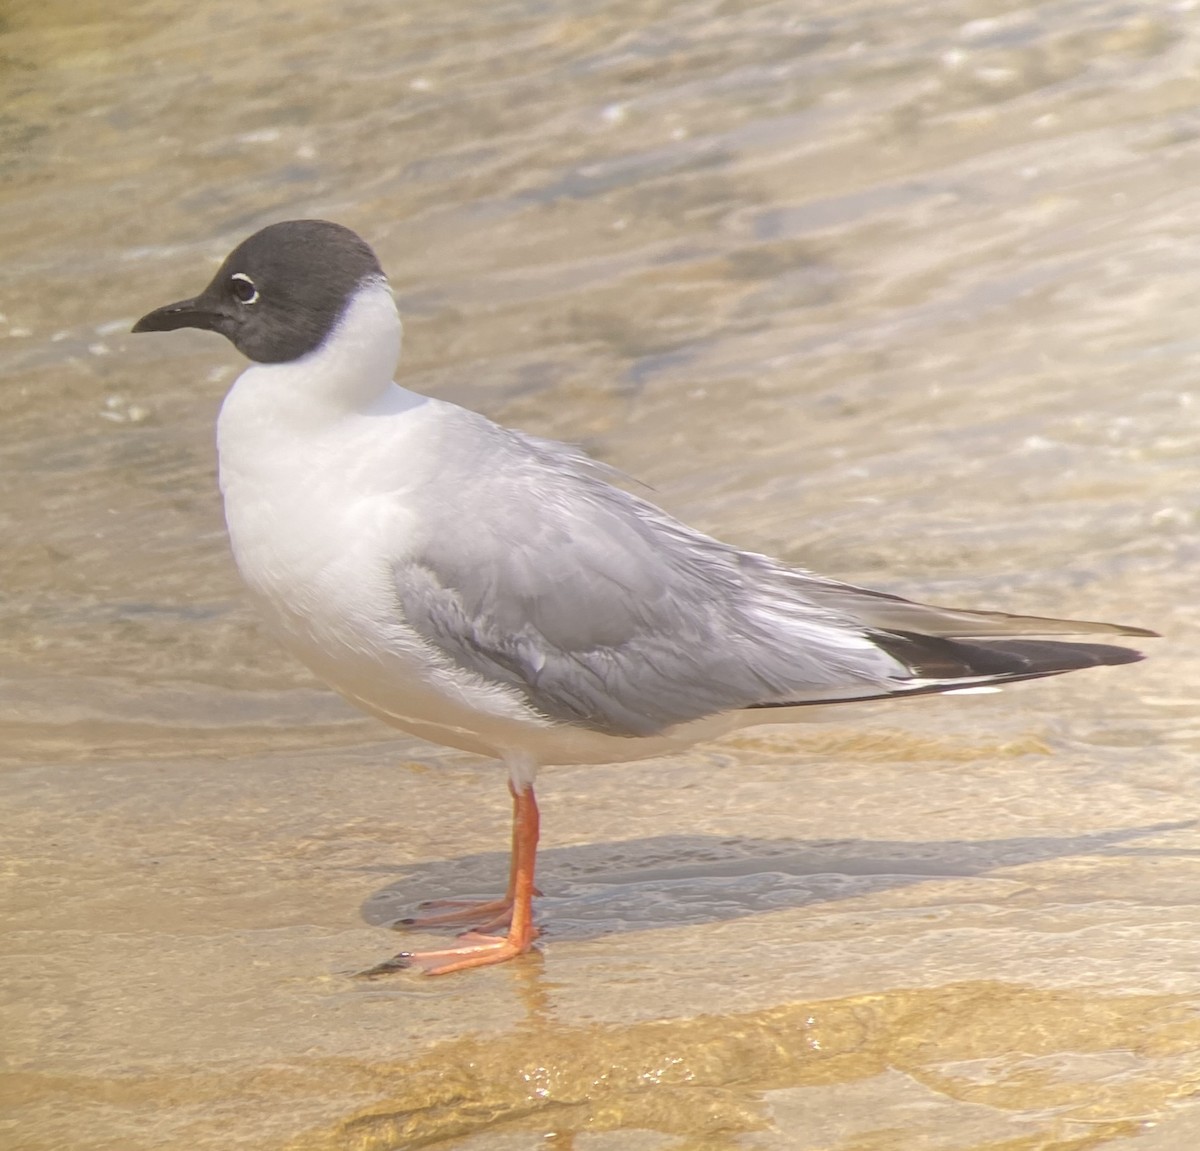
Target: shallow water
(904,293)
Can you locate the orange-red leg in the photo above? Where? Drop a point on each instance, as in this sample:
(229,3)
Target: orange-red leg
(483,915)
(481,950)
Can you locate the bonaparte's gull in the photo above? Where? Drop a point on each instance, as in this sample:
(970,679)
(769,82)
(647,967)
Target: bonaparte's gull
(493,591)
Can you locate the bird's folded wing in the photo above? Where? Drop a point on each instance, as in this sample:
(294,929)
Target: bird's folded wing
(605,612)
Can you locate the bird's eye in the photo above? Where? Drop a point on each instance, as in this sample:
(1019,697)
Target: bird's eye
(243,288)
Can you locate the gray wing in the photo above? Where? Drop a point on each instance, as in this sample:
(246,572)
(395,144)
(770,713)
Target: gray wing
(607,613)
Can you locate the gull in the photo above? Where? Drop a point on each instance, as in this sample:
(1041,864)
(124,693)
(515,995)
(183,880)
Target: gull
(495,592)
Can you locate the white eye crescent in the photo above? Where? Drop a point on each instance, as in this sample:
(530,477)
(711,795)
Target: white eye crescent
(243,288)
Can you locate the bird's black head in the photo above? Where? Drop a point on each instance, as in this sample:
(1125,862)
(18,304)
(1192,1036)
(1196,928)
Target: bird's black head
(279,293)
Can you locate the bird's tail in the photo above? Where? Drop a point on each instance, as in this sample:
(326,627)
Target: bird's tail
(972,651)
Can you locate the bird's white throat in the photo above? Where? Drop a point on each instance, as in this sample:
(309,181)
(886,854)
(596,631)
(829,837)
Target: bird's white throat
(349,372)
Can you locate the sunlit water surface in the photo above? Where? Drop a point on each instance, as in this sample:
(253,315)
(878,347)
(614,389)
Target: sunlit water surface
(904,293)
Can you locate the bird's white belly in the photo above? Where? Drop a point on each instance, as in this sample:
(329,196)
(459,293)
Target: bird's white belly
(327,600)
(325,589)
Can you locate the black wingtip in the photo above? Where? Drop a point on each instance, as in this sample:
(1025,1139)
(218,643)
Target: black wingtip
(932,657)
(940,665)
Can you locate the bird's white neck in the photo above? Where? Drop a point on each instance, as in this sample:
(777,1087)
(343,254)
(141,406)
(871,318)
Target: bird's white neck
(275,415)
(351,371)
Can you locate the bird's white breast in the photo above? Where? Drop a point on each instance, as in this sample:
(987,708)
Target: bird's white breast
(315,525)
(313,456)
(322,462)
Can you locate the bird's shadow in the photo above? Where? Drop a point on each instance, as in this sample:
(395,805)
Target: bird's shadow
(675,880)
